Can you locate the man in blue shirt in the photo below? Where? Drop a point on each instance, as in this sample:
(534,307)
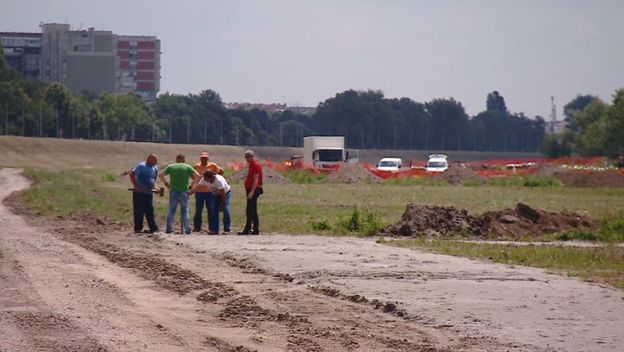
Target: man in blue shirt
(143,177)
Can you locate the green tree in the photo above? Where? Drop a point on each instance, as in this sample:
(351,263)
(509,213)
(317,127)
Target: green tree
(579,103)
(496,102)
(614,125)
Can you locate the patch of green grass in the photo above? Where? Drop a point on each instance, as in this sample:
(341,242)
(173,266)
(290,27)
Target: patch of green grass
(534,181)
(109,178)
(361,223)
(304,176)
(511,181)
(73,191)
(472,183)
(320,225)
(595,264)
(528,181)
(416,181)
(611,230)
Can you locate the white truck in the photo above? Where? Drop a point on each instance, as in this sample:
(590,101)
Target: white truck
(327,152)
(390,164)
(437,163)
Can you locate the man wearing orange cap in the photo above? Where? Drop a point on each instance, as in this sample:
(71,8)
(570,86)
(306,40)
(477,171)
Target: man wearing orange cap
(203,193)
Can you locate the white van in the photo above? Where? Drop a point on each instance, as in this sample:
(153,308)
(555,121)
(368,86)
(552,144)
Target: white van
(437,163)
(390,164)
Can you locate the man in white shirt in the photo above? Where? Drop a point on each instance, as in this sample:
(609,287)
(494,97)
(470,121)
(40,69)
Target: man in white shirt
(222,195)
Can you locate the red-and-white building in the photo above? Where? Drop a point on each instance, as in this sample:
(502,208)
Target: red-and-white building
(138,65)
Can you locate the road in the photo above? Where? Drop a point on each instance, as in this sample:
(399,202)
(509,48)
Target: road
(84,284)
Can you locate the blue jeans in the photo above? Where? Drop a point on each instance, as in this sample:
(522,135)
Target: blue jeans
(227,224)
(176,197)
(201,199)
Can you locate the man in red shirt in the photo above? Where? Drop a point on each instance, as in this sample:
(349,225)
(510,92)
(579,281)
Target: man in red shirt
(253,188)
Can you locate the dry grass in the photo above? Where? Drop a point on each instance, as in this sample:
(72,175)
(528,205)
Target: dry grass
(52,153)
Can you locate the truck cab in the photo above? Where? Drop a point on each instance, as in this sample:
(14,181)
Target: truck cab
(390,164)
(327,152)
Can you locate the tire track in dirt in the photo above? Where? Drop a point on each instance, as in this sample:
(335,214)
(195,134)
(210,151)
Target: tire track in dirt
(532,308)
(190,298)
(261,309)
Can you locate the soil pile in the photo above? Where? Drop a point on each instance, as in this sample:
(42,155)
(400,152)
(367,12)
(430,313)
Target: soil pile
(458,175)
(609,178)
(435,221)
(268,176)
(352,173)
(546,170)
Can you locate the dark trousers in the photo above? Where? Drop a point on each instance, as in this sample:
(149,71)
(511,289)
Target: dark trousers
(253,223)
(143,205)
(203,199)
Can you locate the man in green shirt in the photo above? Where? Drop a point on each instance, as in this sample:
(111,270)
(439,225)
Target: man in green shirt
(179,175)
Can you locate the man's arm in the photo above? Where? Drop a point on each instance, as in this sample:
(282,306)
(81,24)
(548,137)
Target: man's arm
(132,175)
(196,178)
(162,177)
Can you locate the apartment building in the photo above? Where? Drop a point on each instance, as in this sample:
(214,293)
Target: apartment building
(88,60)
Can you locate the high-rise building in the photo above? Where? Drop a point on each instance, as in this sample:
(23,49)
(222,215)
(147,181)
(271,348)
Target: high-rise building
(23,52)
(139,64)
(87,60)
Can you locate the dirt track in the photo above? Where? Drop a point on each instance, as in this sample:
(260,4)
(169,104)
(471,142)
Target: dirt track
(71,286)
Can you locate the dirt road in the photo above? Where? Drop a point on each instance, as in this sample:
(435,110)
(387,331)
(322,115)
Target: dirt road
(85,285)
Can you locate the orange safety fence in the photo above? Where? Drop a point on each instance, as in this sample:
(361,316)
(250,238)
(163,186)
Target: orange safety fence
(416,168)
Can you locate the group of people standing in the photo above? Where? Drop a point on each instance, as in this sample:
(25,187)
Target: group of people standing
(205,180)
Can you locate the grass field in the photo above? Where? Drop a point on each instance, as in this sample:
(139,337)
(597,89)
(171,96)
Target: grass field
(299,208)
(73,177)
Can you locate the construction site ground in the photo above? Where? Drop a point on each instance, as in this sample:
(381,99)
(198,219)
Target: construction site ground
(68,286)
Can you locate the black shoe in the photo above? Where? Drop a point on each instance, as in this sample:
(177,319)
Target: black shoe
(257,232)
(243,232)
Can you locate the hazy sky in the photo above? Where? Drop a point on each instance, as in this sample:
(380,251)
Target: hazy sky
(302,52)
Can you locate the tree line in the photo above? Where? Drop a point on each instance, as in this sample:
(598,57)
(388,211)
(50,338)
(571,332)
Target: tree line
(367,119)
(593,128)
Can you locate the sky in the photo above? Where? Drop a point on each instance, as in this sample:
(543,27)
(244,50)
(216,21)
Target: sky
(303,52)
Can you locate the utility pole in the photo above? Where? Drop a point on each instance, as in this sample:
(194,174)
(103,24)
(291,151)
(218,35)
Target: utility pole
(188,129)
(553,114)
(40,120)
(23,120)
(6,119)
(170,129)
(57,122)
(73,124)
(221,130)
(205,131)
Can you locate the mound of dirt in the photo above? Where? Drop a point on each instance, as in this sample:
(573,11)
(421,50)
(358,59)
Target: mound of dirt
(352,173)
(572,178)
(458,175)
(435,221)
(268,176)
